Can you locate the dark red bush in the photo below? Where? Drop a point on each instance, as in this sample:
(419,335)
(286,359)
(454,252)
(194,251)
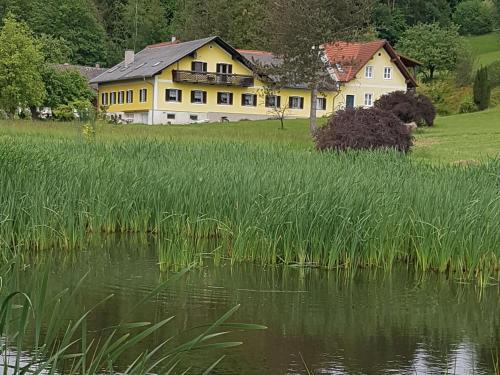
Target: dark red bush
(409,107)
(364,129)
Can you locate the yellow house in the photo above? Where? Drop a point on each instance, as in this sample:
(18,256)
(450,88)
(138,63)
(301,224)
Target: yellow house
(207,80)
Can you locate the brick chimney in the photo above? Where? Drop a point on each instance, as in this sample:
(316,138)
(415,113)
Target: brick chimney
(129,57)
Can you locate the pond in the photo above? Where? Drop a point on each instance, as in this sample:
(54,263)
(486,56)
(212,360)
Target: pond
(324,321)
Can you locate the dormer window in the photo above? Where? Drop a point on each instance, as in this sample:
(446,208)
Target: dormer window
(369,71)
(198,66)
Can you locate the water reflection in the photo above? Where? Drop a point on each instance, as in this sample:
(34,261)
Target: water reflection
(371,324)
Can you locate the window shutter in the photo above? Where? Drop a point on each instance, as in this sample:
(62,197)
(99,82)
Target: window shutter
(254,102)
(290,102)
(218,98)
(231,98)
(242,99)
(204,96)
(204,66)
(193,65)
(278,101)
(217,68)
(230,69)
(301,103)
(192,96)
(179,95)
(167,95)
(324,104)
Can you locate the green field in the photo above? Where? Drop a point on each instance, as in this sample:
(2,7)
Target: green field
(486,48)
(454,139)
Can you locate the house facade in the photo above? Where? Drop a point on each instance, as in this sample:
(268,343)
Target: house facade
(207,80)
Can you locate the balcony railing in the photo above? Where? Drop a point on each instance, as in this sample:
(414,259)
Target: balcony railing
(212,78)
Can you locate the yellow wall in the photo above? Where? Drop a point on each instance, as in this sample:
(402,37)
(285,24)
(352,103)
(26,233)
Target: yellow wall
(136,106)
(377,85)
(213,54)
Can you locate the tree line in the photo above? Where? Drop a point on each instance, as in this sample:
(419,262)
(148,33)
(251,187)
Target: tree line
(98,31)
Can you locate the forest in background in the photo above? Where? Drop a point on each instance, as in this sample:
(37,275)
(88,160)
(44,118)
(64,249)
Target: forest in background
(90,32)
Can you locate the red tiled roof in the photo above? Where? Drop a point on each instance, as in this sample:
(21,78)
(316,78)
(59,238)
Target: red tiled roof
(162,44)
(254,52)
(351,57)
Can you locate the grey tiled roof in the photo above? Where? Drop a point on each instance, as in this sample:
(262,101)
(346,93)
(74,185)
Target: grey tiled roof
(154,59)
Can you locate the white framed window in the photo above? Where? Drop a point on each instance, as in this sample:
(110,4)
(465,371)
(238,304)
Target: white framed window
(143,95)
(225,98)
(273,101)
(199,66)
(224,68)
(173,95)
(369,71)
(249,100)
(112,98)
(387,72)
(198,97)
(130,96)
(104,98)
(121,97)
(296,102)
(368,100)
(321,104)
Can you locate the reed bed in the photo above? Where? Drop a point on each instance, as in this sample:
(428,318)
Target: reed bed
(266,204)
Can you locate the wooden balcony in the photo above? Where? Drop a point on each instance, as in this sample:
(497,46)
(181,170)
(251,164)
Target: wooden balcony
(206,78)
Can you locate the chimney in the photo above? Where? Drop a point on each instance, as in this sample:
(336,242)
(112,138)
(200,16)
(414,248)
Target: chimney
(174,39)
(129,57)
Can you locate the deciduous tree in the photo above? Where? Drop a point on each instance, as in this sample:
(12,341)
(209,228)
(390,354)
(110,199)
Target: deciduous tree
(435,46)
(297,29)
(21,84)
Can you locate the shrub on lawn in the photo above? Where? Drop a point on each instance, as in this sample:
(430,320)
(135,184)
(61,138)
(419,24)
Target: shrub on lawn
(468,106)
(409,107)
(364,129)
(63,112)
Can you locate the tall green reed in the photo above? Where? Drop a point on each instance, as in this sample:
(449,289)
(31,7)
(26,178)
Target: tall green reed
(265,204)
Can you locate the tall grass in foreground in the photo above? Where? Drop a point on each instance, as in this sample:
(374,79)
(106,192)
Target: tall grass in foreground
(37,336)
(263,204)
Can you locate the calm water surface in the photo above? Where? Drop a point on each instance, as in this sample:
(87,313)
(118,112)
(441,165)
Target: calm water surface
(372,324)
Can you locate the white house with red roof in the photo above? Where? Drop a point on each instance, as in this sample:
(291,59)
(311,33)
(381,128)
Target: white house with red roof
(207,80)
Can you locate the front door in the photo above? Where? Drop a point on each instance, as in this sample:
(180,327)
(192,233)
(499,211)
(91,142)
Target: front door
(349,101)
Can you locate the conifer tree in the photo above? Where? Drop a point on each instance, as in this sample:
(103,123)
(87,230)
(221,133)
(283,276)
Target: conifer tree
(482,89)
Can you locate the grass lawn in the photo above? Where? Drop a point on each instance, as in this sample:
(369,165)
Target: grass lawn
(485,47)
(455,139)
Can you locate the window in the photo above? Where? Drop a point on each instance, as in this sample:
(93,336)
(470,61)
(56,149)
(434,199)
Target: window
(368,100)
(121,97)
(193,117)
(249,100)
(112,98)
(321,104)
(143,95)
(130,96)
(224,68)
(369,71)
(225,98)
(387,72)
(198,66)
(296,102)
(170,116)
(273,101)
(198,97)
(349,101)
(173,95)
(104,98)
